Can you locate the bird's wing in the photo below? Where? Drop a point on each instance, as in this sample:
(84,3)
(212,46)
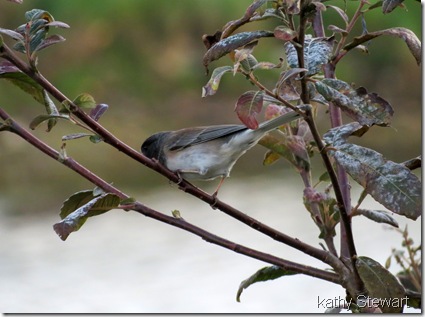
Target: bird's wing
(203,134)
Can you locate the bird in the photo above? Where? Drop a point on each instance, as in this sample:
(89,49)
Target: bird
(208,152)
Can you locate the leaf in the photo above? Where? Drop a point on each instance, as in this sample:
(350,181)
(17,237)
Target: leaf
(36,14)
(248,106)
(51,40)
(43,117)
(341,13)
(24,82)
(390,5)
(383,288)
(410,38)
(284,33)
(317,51)
(51,110)
(244,58)
(276,146)
(267,273)
(270,157)
(232,26)
(212,86)
(366,108)
(58,24)
(380,216)
(98,111)
(13,34)
(79,207)
(323,210)
(85,101)
(231,43)
(74,136)
(391,184)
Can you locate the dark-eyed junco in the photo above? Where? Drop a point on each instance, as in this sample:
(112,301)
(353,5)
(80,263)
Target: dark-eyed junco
(207,152)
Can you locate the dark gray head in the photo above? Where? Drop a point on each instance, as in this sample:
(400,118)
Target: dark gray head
(153,146)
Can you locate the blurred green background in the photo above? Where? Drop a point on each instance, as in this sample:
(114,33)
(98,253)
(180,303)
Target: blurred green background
(144,59)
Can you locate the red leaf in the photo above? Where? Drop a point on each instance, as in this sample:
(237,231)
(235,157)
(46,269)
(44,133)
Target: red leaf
(248,106)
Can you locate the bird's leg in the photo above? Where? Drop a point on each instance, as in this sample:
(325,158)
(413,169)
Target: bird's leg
(214,195)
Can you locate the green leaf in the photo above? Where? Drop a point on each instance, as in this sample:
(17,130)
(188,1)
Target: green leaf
(85,101)
(267,273)
(36,14)
(317,51)
(366,108)
(391,184)
(21,80)
(380,216)
(277,146)
(248,105)
(79,207)
(43,117)
(410,38)
(212,86)
(231,43)
(382,287)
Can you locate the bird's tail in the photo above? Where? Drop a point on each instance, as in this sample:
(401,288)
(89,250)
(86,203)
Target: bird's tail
(278,121)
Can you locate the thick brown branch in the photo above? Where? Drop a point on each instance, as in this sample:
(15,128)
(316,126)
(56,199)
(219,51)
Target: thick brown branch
(109,138)
(176,222)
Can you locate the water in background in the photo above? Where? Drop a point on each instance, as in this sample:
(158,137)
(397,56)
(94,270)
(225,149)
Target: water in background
(123,262)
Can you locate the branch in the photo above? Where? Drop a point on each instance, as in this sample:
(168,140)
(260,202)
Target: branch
(109,138)
(12,126)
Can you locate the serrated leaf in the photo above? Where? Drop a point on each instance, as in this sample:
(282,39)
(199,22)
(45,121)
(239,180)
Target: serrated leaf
(317,52)
(380,216)
(267,273)
(85,101)
(366,108)
(410,38)
(79,207)
(231,43)
(248,105)
(212,86)
(381,285)
(41,118)
(391,184)
(24,82)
